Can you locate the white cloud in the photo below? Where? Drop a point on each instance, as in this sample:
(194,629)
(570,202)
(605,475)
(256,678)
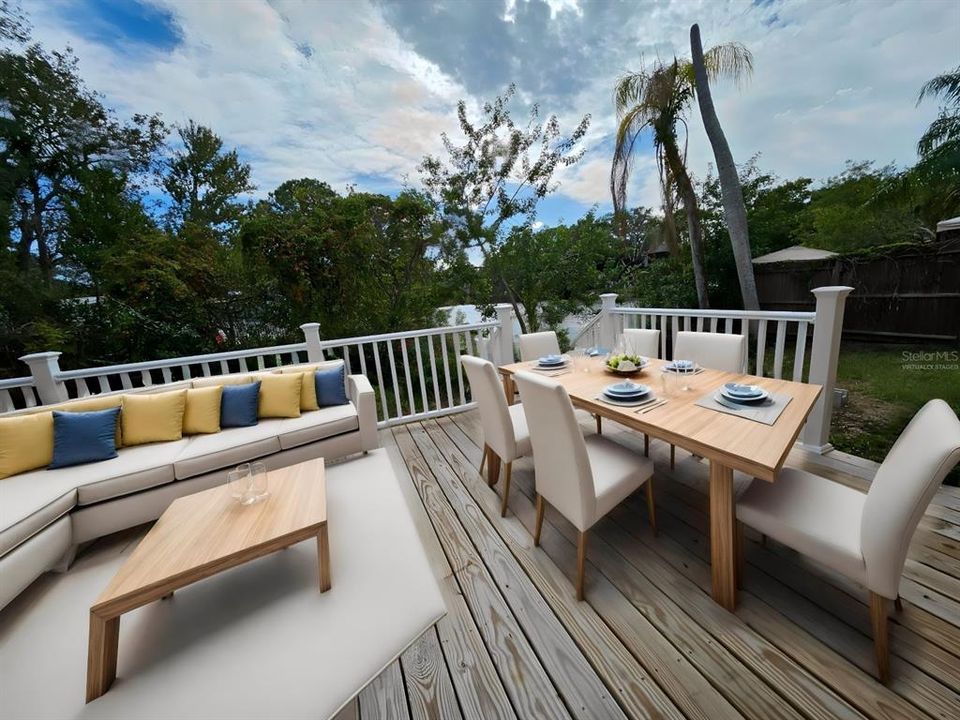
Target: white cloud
(365,102)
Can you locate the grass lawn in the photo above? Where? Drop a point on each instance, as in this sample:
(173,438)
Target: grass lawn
(886,387)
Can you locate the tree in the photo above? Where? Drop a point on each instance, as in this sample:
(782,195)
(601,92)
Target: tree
(734,60)
(556,272)
(54,131)
(658,100)
(499,175)
(204,181)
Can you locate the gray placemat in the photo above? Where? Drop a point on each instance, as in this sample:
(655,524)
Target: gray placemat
(766,413)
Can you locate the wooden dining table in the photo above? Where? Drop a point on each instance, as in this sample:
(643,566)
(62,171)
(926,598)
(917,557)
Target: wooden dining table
(726,441)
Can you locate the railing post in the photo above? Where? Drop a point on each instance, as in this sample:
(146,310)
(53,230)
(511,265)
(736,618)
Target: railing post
(607,323)
(503,353)
(827,329)
(45,369)
(311,331)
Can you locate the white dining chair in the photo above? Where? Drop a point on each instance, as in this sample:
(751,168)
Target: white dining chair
(717,351)
(505,434)
(862,536)
(536,345)
(642,341)
(584,478)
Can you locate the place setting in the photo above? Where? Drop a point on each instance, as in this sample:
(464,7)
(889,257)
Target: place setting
(552,365)
(630,394)
(748,401)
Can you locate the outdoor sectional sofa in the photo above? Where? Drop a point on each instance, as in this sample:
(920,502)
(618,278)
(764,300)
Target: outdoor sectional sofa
(45,514)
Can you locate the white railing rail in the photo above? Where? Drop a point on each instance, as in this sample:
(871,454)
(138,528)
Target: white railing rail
(759,326)
(415,373)
(18,393)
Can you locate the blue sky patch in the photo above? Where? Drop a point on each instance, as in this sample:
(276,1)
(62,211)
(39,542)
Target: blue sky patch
(121,23)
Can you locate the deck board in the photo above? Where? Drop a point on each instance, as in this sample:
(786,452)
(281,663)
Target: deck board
(648,641)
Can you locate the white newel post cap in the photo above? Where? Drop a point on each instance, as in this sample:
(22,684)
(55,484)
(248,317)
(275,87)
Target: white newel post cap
(45,369)
(608,300)
(836,290)
(311,332)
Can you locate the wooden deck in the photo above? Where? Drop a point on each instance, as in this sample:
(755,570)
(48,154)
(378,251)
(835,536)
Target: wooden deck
(649,641)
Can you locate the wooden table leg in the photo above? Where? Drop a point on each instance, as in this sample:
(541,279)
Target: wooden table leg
(508,390)
(102,655)
(722,545)
(323,556)
(493,469)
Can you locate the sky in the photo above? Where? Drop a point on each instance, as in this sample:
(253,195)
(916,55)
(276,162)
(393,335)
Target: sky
(357,92)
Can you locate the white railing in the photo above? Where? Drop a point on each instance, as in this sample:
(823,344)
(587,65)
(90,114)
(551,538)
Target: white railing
(18,393)
(756,324)
(794,327)
(415,374)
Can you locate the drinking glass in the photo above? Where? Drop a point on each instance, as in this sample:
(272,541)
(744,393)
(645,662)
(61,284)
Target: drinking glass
(240,481)
(666,381)
(258,480)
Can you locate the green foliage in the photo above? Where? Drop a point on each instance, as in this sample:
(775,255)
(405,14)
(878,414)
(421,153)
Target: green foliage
(357,264)
(555,272)
(204,181)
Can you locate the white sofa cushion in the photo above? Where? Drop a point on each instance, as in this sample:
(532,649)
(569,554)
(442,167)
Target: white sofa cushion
(816,516)
(31,501)
(20,524)
(316,425)
(206,453)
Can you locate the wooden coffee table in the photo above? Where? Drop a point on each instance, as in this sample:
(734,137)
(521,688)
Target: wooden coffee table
(201,535)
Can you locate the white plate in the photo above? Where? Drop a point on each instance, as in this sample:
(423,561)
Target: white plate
(746,401)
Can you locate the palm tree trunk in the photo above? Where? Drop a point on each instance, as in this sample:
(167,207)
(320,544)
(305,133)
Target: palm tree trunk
(734,210)
(688,197)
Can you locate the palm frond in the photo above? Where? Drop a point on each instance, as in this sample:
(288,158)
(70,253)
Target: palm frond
(942,131)
(628,131)
(945,86)
(629,91)
(731,61)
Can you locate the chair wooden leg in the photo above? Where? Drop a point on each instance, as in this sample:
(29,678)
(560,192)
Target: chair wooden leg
(651,508)
(673,454)
(599,426)
(898,603)
(646,445)
(581,562)
(493,468)
(738,547)
(506,489)
(539,525)
(881,641)
(483,460)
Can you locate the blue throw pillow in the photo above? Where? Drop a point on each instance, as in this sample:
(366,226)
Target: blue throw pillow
(83,437)
(238,405)
(330,384)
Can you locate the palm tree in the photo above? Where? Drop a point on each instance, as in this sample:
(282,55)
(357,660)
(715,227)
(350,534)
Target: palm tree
(658,100)
(941,142)
(734,210)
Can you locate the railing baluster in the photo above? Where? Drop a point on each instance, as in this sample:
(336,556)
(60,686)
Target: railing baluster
(761,347)
(778,349)
(146,378)
(363,359)
(125,381)
(393,375)
(167,375)
(433,371)
(380,389)
(800,351)
(663,335)
(83,390)
(455,338)
(346,359)
(406,372)
(423,383)
(446,368)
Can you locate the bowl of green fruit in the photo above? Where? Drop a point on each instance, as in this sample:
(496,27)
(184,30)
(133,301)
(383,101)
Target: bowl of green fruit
(625,364)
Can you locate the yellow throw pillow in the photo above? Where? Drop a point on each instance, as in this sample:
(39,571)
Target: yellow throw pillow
(240,379)
(308,388)
(153,418)
(92,404)
(26,443)
(202,411)
(280,396)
